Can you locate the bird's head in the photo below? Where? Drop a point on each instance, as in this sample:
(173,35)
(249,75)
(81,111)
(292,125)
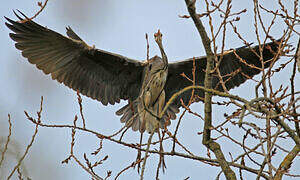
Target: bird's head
(158,40)
(158,37)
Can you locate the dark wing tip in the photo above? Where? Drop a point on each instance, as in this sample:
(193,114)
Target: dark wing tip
(14,23)
(7,24)
(12,36)
(16,14)
(9,20)
(17,27)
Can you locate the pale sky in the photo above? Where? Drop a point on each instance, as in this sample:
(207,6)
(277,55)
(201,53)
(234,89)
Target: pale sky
(119,27)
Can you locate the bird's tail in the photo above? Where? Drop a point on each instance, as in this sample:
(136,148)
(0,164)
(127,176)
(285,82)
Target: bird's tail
(130,115)
(141,119)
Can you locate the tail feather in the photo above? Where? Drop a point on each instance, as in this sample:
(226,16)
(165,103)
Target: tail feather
(131,117)
(121,111)
(136,123)
(127,115)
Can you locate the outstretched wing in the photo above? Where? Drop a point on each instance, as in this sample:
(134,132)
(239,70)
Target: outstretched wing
(95,73)
(235,70)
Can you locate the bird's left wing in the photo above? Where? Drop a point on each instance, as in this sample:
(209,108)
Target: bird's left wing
(236,67)
(98,74)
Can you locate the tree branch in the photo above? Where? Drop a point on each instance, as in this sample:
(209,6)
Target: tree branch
(207,141)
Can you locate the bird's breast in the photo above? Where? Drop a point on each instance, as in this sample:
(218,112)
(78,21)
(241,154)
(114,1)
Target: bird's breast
(156,85)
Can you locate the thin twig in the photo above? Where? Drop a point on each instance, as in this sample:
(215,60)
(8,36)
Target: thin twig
(7,141)
(40,4)
(32,139)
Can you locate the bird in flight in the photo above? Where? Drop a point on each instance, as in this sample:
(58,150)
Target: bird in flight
(147,85)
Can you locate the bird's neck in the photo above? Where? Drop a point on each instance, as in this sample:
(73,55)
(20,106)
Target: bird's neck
(163,54)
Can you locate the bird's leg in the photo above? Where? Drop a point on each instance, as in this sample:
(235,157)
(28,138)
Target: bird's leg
(161,102)
(147,152)
(150,114)
(139,154)
(161,163)
(146,98)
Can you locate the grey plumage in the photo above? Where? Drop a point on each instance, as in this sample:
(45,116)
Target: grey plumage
(109,77)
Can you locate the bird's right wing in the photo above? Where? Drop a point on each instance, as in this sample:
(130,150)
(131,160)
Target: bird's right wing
(236,67)
(95,73)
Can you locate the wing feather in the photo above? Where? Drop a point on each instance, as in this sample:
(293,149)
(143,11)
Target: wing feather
(231,69)
(96,73)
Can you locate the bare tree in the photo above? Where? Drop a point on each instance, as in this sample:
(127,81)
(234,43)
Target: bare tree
(264,122)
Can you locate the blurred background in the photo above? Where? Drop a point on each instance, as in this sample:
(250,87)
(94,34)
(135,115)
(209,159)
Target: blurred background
(119,27)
